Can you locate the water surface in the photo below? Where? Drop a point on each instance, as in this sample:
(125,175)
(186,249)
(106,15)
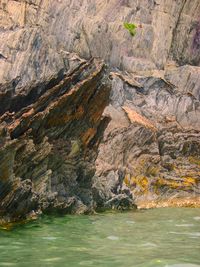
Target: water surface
(160,237)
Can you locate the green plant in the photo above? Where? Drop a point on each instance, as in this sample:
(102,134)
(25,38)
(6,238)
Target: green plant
(131,28)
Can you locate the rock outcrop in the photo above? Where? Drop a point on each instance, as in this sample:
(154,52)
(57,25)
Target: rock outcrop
(153,138)
(49,145)
(57,151)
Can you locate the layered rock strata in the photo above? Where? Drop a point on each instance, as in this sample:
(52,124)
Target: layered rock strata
(154,137)
(57,151)
(49,146)
(36,35)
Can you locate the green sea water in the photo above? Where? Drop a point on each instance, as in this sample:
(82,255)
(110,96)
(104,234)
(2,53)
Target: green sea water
(159,237)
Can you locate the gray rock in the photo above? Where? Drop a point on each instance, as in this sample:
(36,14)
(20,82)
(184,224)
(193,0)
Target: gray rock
(58,153)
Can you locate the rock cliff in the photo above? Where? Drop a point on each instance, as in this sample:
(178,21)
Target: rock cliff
(76,136)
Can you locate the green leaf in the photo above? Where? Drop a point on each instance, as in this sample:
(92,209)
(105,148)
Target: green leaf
(131,28)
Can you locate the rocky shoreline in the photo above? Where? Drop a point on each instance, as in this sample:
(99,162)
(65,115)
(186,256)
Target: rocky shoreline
(97,140)
(49,147)
(118,127)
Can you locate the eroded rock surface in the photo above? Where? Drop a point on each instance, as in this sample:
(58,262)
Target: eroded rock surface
(57,151)
(37,34)
(153,137)
(48,147)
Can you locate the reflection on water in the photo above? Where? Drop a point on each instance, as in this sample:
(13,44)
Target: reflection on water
(160,237)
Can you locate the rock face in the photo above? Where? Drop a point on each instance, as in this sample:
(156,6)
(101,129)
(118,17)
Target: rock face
(49,144)
(153,137)
(58,153)
(37,34)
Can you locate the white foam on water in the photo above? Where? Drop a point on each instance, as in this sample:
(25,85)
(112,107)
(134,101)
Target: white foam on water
(149,244)
(17,243)
(49,238)
(130,222)
(183,265)
(86,263)
(113,237)
(185,225)
(178,233)
(79,249)
(196,234)
(51,259)
(7,264)
(196,218)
